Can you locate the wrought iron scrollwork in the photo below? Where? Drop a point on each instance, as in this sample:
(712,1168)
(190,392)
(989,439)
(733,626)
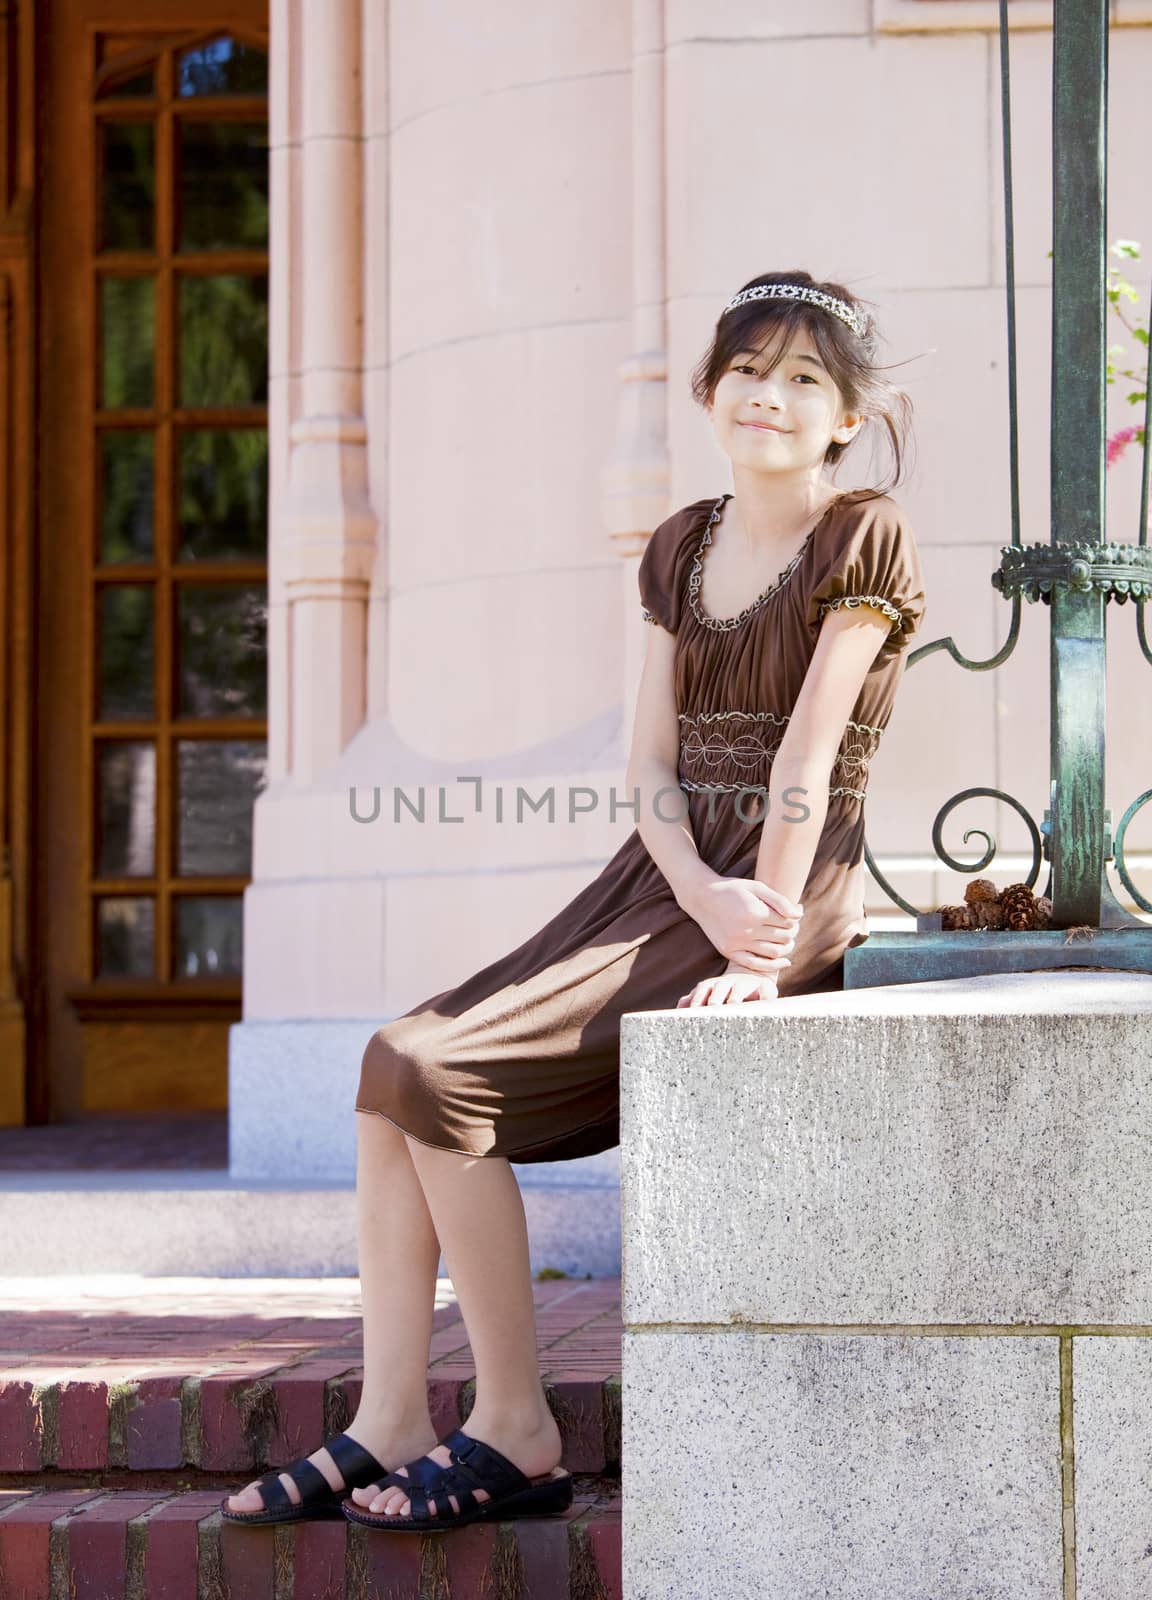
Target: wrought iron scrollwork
(962,660)
(1118,850)
(1078,574)
(949,806)
(991,846)
(1142,531)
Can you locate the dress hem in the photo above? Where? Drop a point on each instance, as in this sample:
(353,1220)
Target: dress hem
(488,1155)
(451,1149)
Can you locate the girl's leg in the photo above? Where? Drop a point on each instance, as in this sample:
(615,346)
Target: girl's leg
(478,1212)
(398,1255)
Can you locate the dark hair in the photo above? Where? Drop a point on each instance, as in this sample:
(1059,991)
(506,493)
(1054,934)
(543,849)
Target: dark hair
(849,357)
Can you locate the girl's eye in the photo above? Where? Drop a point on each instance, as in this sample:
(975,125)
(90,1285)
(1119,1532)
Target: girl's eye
(807,375)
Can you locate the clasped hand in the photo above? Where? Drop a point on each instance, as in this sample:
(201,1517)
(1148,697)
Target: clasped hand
(752,924)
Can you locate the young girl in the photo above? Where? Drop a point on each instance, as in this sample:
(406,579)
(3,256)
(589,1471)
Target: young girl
(780,613)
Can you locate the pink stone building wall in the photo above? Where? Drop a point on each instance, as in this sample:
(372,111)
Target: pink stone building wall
(501,238)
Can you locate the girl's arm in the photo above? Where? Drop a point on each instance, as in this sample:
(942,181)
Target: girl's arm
(847,645)
(741,917)
(654,766)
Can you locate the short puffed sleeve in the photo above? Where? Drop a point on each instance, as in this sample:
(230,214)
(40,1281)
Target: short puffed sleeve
(873,562)
(661,574)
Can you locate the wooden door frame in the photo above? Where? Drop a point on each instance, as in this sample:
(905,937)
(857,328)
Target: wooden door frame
(20,1098)
(47,857)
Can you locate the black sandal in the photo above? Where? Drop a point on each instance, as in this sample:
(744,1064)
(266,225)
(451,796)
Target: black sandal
(318,1499)
(474,1465)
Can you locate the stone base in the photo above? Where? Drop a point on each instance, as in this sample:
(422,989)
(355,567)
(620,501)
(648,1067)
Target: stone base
(806,1465)
(291,1099)
(199,1224)
(888,1293)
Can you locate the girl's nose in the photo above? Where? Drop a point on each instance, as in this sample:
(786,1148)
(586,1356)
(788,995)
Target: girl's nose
(768,391)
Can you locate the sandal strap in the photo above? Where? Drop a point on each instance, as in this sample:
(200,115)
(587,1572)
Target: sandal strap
(479,1463)
(355,1463)
(418,1502)
(422,1493)
(350,1457)
(422,1470)
(475,1465)
(310,1481)
(272,1492)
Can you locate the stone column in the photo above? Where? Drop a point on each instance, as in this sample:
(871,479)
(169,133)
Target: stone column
(887,1261)
(328,543)
(636,478)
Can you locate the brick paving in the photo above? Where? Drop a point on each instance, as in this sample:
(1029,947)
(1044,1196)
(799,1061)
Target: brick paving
(229,1375)
(129,1406)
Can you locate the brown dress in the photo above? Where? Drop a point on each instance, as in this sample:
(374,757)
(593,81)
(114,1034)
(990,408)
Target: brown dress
(522,1059)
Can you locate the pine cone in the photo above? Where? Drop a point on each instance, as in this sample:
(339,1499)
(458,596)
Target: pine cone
(981,890)
(1019,906)
(953,917)
(1043,912)
(987,914)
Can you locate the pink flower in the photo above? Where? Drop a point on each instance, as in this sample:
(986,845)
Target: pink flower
(1119,442)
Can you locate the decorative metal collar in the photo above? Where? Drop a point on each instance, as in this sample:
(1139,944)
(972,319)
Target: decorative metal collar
(1119,571)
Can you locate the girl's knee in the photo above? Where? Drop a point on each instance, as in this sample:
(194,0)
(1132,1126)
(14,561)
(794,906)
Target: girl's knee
(399,1073)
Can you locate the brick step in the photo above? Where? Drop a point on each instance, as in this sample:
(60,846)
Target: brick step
(230,1422)
(131,1544)
(161,1389)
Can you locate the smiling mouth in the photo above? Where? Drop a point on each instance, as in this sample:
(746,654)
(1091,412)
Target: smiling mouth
(762,427)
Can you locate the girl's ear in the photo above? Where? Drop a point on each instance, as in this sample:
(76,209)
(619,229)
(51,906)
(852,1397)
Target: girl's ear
(850,425)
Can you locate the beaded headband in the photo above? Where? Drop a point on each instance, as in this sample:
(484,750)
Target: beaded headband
(799,291)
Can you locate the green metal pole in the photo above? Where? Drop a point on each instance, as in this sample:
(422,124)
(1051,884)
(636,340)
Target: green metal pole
(1078,658)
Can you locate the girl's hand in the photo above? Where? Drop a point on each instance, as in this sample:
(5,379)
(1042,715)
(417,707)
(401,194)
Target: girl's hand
(734,985)
(748,921)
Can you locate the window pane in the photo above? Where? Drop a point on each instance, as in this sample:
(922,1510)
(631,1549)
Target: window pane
(223,67)
(218,781)
(140,85)
(222,630)
(208,936)
(223,341)
(223,510)
(129,186)
(223,185)
(125,938)
(126,652)
(126,834)
(129,339)
(129,496)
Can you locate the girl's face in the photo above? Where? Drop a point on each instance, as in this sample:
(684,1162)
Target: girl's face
(783,420)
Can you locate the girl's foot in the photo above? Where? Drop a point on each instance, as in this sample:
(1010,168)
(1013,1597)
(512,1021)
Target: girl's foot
(533,1446)
(386,1447)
